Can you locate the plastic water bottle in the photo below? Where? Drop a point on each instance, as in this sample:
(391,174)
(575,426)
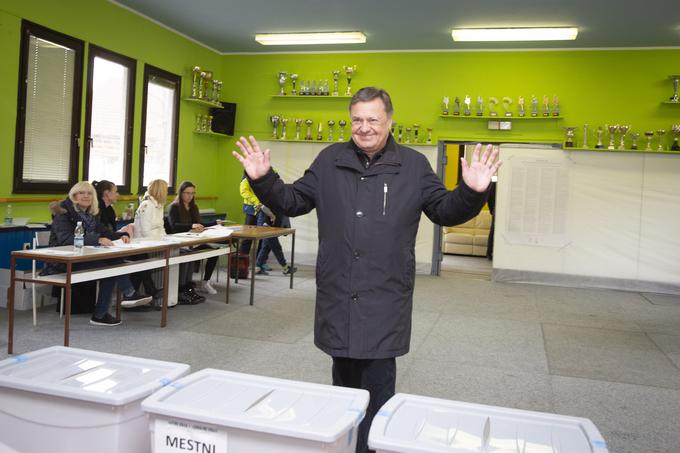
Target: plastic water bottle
(79,238)
(8,215)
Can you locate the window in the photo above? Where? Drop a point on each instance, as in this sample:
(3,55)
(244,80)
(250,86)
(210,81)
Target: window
(109,115)
(160,118)
(48,111)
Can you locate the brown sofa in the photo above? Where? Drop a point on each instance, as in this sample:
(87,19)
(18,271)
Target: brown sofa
(469,238)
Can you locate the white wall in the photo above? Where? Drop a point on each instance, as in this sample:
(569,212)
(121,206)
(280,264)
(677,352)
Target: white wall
(622,224)
(291,159)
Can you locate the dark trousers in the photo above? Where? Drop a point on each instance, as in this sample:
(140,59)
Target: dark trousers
(378,376)
(251,219)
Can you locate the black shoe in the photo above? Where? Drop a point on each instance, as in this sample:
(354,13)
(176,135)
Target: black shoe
(184,298)
(195,297)
(135,299)
(287,270)
(106,320)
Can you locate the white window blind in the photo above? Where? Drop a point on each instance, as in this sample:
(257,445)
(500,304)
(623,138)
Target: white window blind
(109,121)
(160,130)
(49,108)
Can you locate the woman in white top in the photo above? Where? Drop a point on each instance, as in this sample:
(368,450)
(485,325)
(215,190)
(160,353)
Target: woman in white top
(149,215)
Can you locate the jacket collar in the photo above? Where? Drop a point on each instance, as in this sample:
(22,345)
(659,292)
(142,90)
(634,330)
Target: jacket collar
(390,159)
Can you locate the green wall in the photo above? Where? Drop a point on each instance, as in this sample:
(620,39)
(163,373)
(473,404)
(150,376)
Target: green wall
(109,26)
(595,86)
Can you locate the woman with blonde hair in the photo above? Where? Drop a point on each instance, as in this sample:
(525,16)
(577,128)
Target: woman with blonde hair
(149,215)
(82,206)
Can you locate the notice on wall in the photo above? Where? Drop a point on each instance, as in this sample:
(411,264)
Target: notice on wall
(537,211)
(174,436)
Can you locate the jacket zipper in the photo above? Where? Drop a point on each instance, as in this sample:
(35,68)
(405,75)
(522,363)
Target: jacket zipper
(384,197)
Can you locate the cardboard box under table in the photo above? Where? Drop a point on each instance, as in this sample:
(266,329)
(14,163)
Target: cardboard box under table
(224,412)
(67,400)
(418,424)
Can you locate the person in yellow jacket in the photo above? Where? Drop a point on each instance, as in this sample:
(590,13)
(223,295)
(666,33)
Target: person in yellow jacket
(251,208)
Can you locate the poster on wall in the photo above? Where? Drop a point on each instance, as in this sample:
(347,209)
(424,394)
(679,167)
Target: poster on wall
(539,193)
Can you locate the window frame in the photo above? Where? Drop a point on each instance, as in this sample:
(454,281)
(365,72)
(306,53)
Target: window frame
(29,29)
(131,64)
(152,71)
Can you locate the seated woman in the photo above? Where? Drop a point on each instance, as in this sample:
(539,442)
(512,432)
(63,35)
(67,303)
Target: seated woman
(107,196)
(149,224)
(82,206)
(184,216)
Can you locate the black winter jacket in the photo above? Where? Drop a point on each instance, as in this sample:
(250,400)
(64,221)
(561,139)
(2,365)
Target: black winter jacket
(62,232)
(368,219)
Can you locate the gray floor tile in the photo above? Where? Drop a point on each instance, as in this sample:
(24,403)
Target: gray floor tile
(608,355)
(505,344)
(631,418)
(474,384)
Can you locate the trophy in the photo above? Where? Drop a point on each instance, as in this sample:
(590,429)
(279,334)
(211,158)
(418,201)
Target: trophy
(303,88)
(623,130)
(207,121)
(331,123)
(569,142)
(195,81)
(633,140)
(282,83)
(467,105)
(534,106)
(429,136)
(507,102)
(314,92)
(556,106)
(284,128)
(399,137)
(676,82)
(650,136)
(599,132)
(492,105)
(408,135)
(309,123)
(546,106)
(456,106)
(325,88)
(445,105)
(520,106)
(342,124)
(336,77)
(480,106)
(392,129)
(613,129)
(275,124)
(415,132)
(349,71)
(319,131)
(207,85)
(661,133)
(201,85)
(199,122)
(676,132)
(293,78)
(298,126)
(585,136)
(219,91)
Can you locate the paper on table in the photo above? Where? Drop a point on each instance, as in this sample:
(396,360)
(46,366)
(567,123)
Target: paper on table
(51,251)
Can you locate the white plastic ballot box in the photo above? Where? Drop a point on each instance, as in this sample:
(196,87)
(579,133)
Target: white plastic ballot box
(67,400)
(418,424)
(214,411)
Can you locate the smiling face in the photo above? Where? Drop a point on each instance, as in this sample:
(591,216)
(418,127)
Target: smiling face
(83,198)
(370,125)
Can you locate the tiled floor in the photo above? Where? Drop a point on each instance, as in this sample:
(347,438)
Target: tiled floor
(610,356)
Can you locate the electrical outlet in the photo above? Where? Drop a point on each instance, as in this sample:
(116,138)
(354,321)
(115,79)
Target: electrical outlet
(27,246)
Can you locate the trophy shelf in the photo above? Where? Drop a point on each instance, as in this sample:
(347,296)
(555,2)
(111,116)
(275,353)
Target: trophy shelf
(501,117)
(203,102)
(671,102)
(214,134)
(605,150)
(297,96)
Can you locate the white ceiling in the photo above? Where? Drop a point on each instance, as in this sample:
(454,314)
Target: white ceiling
(229,26)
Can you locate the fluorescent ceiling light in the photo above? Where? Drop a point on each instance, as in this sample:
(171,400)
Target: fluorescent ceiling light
(514,34)
(280,39)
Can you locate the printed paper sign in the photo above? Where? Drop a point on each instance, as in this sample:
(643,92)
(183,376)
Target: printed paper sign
(175,436)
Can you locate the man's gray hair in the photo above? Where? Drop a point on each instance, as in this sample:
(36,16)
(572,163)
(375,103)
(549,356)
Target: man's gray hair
(367,94)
